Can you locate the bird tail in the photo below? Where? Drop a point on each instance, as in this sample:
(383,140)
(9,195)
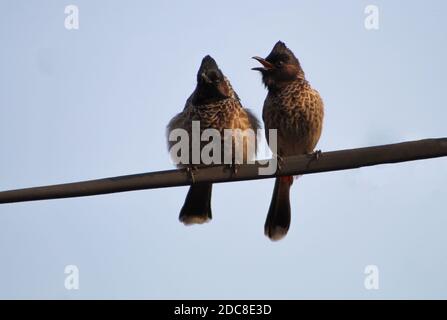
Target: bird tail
(197,206)
(278,218)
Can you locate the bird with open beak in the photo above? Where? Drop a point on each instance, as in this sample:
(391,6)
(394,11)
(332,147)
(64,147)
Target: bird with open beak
(295,110)
(217,106)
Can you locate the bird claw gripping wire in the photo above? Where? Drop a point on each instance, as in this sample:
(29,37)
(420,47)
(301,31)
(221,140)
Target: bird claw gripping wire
(279,161)
(190,172)
(234,167)
(316,155)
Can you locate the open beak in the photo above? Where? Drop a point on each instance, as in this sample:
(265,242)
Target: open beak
(265,64)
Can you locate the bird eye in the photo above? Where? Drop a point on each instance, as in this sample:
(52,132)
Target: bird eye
(279,63)
(214,77)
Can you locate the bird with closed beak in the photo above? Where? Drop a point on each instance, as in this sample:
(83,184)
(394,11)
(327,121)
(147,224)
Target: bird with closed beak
(296,111)
(217,106)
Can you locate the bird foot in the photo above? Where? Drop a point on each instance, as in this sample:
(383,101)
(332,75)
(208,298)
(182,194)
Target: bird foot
(279,162)
(234,167)
(316,154)
(190,172)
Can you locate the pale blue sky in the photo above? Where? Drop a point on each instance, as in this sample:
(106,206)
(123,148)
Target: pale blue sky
(91,103)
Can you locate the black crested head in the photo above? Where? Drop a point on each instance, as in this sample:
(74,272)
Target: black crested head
(211,84)
(279,67)
(280,52)
(208,70)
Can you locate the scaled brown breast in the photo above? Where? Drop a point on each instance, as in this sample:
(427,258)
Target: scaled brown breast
(220,115)
(296,111)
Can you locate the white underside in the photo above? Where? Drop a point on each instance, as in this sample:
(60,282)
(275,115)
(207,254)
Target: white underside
(187,221)
(277,233)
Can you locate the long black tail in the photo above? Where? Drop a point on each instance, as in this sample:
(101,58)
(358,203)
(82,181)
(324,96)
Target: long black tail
(197,206)
(278,218)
